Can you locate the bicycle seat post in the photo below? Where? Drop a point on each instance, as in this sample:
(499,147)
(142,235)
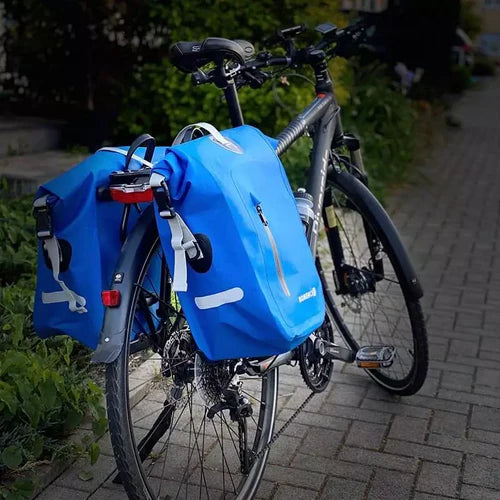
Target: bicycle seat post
(228,85)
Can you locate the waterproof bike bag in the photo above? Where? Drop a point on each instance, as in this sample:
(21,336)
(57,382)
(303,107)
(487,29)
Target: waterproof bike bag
(235,244)
(80,238)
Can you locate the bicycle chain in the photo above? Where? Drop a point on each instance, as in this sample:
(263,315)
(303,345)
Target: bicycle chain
(276,435)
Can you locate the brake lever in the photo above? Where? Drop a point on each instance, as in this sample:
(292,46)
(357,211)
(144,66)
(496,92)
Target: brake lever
(256,79)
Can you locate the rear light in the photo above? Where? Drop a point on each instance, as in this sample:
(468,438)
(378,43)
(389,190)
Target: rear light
(130,193)
(110,298)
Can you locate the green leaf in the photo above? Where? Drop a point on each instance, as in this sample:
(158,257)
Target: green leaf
(32,409)
(12,456)
(94,452)
(9,398)
(48,393)
(24,488)
(73,419)
(37,446)
(86,475)
(99,426)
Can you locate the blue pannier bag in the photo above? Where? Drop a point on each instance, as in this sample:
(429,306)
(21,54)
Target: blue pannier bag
(235,244)
(80,238)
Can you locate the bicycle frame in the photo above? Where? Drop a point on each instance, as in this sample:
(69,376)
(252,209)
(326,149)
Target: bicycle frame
(322,118)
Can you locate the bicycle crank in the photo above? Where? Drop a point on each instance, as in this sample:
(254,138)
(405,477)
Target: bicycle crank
(367,357)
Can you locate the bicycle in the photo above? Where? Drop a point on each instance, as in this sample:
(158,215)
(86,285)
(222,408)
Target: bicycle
(183,426)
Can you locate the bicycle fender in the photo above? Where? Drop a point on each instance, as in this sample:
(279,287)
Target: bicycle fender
(130,262)
(378,218)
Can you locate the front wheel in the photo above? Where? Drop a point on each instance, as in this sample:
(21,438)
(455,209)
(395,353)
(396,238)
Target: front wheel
(180,426)
(370,284)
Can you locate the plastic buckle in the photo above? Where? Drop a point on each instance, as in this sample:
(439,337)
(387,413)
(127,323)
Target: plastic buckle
(43,222)
(162,198)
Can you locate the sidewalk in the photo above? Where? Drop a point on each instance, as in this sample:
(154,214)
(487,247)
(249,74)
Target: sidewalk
(445,441)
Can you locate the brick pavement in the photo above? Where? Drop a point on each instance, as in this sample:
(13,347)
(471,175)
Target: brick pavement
(358,442)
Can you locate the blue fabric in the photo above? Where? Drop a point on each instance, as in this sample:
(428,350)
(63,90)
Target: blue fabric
(92,228)
(216,192)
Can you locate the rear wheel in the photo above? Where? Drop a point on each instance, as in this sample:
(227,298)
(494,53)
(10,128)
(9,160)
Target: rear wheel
(182,426)
(373,303)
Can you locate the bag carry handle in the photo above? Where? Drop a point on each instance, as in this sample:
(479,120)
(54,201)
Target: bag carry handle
(144,139)
(215,134)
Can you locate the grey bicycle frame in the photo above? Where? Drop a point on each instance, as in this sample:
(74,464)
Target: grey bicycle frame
(322,115)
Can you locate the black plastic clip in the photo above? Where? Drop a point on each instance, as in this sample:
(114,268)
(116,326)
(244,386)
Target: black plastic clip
(163,201)
(43,219)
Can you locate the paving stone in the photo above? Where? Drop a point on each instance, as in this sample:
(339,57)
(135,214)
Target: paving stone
(376,458)
(465,397)
(294,477)
(426,496)
(99,472)
(396,408)
(342,489)
(482,471)
(457,381)
(425,452)
(477,493)
(487,419)
(488,377)
(484,436)
(438,478)
(333,467)
(62,493)
(366,435)
(437,404)
(408,428)
(448,423)
(320,442)
(346,395)
(464,445)
(390,484)
(464,348)
(288,492)
(360,414)
(283,450)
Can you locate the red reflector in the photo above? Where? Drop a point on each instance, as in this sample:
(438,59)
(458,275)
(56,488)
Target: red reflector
(126,195)
(321,96)
(110,298)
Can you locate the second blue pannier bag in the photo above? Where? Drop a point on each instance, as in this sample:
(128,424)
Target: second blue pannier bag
(235,244)
(79,244)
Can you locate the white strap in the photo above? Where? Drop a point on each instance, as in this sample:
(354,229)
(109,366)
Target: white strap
(216,136)
(76,302)
(183,242)
(124,153)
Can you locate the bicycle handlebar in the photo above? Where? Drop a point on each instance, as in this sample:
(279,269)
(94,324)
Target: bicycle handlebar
(346,41)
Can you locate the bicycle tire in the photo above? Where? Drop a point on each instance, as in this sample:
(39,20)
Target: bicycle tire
(140,483)
(352,199)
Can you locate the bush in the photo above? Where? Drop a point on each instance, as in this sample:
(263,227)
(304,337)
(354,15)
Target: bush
(45,387)
(460,79)
(483,66)
(385,121)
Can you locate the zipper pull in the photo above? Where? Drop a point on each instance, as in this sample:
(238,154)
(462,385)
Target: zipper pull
(261,214)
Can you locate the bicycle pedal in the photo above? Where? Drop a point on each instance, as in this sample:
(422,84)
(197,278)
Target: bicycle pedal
(373,357)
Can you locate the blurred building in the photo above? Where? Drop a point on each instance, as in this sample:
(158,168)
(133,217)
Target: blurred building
(489,40)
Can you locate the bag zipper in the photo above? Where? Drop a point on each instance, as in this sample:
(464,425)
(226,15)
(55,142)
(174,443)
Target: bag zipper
(274,248)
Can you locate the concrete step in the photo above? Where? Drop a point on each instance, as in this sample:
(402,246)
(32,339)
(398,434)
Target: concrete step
(26,135)
(25,173)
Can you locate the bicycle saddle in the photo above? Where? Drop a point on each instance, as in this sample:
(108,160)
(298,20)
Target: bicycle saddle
(189,56)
